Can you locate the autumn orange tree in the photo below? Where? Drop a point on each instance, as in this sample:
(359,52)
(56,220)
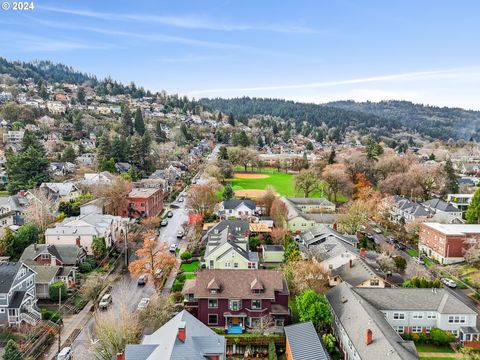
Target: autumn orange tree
(153,259)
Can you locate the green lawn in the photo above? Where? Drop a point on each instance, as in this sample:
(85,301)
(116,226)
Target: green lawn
(190,267)
(434,348)
(440,358)
(280,181)
(190,276)
(412,252)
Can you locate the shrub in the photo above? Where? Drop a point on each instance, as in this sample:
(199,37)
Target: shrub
(415,337)
(441,337)
(253,243)
(57,288)
(177,287)
(50,315)
(186,255)
(85,267)
(272,352)
(329,342)
(400,262)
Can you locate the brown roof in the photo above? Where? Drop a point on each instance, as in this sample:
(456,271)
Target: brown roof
(237,284)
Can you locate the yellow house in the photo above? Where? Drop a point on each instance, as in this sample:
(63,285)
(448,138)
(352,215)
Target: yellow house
(358,274)
(306,213)
(227,246)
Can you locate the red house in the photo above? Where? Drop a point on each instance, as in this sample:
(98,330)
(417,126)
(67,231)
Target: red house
(144,202)
(238,299)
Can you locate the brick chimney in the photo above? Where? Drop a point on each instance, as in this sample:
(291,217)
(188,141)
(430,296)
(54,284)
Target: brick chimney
(121,356)
(368,337)
(182,331)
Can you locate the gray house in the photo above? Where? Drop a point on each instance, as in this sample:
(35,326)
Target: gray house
(17,295)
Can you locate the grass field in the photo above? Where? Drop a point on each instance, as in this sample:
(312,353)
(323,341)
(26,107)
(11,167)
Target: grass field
(280,181)
(434,348)
(190,267)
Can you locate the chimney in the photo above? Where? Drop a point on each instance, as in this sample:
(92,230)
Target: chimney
(77,241)
(335,226)
(350,263)
(362,252)
(21,193)
(35,246)
(182,331)
(368,337)
(121,356)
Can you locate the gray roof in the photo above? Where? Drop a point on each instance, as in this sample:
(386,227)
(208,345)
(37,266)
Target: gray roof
(233,204)
(357,316)
(310,201)
(278,248)
(163,343)
(304,342)
(439,204)
(61,189)
(67,254)
(411,207)
(17,299)
(414,299)
(357,274)
(321,233)
(8,271)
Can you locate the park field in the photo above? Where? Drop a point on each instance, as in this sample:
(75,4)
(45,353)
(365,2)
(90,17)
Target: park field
(282,183)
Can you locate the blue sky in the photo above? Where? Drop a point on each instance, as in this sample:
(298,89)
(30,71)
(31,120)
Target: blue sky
(425,51)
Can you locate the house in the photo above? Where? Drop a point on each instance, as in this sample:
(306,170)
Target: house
(441,207)
(272,253)
(122,167)
(412,310)
(144,202)
(238,299)
(239,209)
(362,331)
(303,215)
(446,243)
(227,246)
(81,230)
(11,211)
(88,159)
(18,299)
(460,201)
(103,177)
(44,254)
(357,273)
(303,343)
(13,137)
(61,168)
(404,211)
(61,191)
(182,337)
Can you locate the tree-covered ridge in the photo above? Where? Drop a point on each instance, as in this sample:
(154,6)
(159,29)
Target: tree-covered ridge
(377,118)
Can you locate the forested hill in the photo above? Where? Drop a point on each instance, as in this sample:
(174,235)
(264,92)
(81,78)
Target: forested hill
(437,122)
(44,71)
(378,118)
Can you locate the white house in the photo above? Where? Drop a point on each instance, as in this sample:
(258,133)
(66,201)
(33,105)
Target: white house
(239,209)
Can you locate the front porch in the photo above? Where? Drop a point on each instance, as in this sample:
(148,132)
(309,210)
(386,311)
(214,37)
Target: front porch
(468,333)
(235,324)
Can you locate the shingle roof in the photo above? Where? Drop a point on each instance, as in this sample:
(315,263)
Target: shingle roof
(357,316)
(67,254)
(310,201)
(357,274)
(441,205)
(233,204)
(163,344)
(304,342)
(235,283)
(8,271)
(414,299)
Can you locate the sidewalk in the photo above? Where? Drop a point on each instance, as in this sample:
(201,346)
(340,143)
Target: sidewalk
(71,324)
(173,274)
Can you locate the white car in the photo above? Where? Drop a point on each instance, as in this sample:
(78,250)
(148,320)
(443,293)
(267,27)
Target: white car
(449,282)
(418,260)
(105,302)
(173,248)
(180,234)
(377,230)
(65,354)
(143,304)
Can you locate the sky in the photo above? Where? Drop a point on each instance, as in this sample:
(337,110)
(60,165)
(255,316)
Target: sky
(425,51)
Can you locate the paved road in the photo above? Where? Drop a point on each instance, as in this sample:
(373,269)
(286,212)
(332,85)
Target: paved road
(127,288)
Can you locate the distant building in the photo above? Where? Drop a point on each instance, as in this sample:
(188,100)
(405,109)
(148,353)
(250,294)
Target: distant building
(13,137)
(144,202)
(447,243)
(460,201)
(441,207)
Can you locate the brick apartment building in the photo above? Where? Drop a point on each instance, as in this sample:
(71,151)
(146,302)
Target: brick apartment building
(144,202)
(447,243)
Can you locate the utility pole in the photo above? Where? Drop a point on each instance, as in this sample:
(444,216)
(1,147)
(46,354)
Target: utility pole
(126,244)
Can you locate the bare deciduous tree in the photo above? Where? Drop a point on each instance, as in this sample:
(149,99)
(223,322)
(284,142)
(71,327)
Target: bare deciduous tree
(202,198)
(40,208)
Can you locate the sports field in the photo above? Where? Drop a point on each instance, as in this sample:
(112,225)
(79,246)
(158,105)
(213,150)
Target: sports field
(252,184)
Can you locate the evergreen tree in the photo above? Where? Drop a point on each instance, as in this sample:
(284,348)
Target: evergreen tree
(81,95)
(185,132)
(104,147)
(231,120)
(331,157)
(43,93)
(68,155)
(12,351)
(119,149)
(473,211)
(228,192)
(309,146)
(139,123)
(223,153)
(160,135)
(452,180)
(77,121)
(127,125)
(108,165)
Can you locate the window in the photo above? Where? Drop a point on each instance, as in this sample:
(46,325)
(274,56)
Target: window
(235,265)
(2,311)
(251,265)
(457,319)
(431,316)
(45,256)
(399,316)
(399,329)
(374,282)
(212,303)
(416,329)
(256,304)
(189,297)
(278,322)
(427,329)
(3,296)
(417,315)
(212,319)
(234,305)
(227,264)
(30,281)
(211,264)
(455,332)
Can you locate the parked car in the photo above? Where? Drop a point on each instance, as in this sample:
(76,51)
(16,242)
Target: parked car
(170,214)
(180,199)
(449,282)
(377,230)
(143,304)
(164,222)
(105,302)
(180,234)
(418,260)
(142,280)
(173,248)
(65,354)
(400,246)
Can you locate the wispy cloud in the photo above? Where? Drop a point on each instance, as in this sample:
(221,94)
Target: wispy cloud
(186,59)
(421,75)
(186,22)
